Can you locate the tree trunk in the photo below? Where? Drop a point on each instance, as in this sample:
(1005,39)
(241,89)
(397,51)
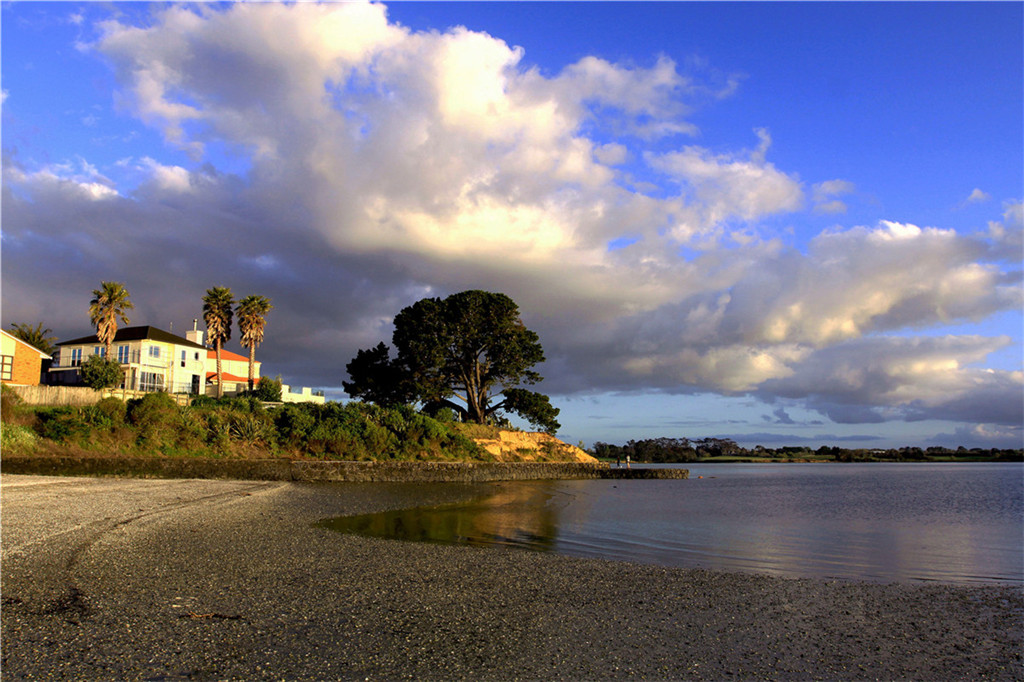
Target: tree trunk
(252,365)
(220,375)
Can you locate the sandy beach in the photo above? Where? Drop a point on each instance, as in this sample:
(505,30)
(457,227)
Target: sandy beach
(189,579)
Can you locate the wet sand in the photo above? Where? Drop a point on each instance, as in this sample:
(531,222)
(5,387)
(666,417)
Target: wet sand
(170,579)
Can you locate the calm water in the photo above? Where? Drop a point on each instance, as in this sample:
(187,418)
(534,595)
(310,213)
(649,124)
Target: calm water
(961,523)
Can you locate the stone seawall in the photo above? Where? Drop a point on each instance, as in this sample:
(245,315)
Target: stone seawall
(307,470)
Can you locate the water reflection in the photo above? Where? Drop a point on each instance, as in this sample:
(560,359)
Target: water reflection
(880,522)
(516,515)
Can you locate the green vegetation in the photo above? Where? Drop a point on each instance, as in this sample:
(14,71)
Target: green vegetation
(252,320)
(155,425)
(100,372)
(109,304)
(217,314)
(35,336)
(269,390)
(723,450)
(471,346)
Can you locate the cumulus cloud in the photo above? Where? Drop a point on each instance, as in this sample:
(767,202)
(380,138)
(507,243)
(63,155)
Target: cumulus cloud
(384,165)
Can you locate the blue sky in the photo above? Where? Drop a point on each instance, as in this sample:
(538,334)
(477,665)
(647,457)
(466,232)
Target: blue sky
(778,222)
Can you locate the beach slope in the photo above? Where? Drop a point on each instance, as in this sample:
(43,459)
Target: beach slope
(190,579)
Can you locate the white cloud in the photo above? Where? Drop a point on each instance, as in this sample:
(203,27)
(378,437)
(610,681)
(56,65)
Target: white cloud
(977,196)
(723,187)
(1007,235)
(824,195)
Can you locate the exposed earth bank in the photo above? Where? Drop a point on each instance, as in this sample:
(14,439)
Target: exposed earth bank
(210,580)
(523,446)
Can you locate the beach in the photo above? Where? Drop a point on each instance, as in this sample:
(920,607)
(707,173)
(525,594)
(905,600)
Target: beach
(216,579)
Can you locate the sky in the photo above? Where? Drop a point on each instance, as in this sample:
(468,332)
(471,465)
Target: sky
(780,223)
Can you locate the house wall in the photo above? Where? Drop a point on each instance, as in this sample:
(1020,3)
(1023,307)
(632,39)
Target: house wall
(233,364)
(300,395)
(143,360)
(24,362)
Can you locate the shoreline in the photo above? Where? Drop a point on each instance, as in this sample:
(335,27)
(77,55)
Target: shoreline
(213,579)
(391,471)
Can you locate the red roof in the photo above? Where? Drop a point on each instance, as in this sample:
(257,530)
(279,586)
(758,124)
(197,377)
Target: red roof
(227,355)
(212,376)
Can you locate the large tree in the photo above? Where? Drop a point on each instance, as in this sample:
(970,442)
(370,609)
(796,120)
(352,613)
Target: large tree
(471,347)
(35,336)
(252,320)
(218,315)
(109,304)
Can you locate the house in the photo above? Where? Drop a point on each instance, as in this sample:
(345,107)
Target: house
(156,360)
(235,370)
(20,363)
(152,359)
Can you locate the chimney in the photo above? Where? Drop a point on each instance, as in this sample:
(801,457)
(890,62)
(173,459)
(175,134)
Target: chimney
(195,336)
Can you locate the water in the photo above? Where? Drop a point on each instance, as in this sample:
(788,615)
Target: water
(955,523)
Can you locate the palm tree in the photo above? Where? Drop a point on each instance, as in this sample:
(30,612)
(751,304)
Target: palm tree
(217,314)
(252,313)
(109,303)
(35,336)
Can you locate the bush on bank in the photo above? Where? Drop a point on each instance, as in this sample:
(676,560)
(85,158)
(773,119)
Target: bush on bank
(237,428)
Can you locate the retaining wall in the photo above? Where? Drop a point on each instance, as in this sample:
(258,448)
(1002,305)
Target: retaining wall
(306,470)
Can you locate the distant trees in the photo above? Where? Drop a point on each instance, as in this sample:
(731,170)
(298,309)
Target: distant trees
(252,319)
(217,314)
(35,336)
(668,450)
(654,450)
(109,304)
(471,346)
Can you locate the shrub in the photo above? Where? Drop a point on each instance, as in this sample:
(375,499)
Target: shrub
(16,438)
(269,390)
(9,402)
(111,410)
(445,415)
(62,424)
(152,408)
(99,372)
(250,427)
(294,423)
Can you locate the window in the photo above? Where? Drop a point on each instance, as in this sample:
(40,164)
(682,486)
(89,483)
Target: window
(123,356)
(6,367)
(151,381)
(154,351)
(99,350)
(76,357)
(183,358)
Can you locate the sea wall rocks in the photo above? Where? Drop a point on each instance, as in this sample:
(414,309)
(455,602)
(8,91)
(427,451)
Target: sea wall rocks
(309,470)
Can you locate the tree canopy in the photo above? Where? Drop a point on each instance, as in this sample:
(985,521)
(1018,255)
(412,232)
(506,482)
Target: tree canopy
(109,304)
(217,314)
(252,320)
(36,336)
(471,346)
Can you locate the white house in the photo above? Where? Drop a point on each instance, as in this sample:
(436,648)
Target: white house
(152,359)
